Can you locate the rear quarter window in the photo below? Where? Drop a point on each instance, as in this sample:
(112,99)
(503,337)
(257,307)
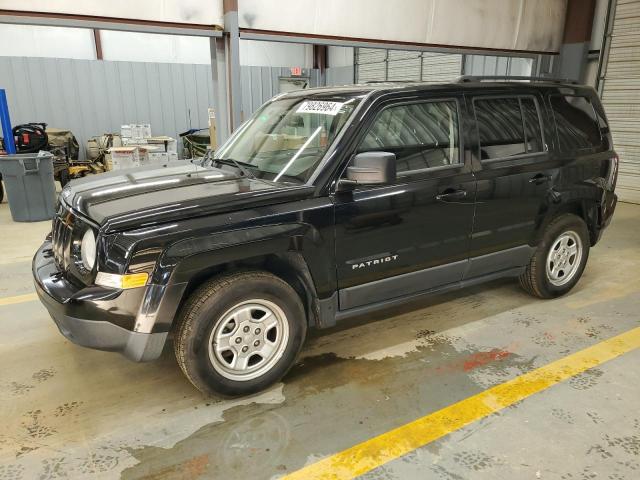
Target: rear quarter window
(576,123)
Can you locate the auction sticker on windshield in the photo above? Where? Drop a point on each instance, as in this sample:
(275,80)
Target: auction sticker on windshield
(320,106)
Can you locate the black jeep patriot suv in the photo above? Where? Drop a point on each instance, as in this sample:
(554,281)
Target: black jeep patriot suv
(330,203)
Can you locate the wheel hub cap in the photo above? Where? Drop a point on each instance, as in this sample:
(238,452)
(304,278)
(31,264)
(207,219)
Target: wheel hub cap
(563,260)
(248,340)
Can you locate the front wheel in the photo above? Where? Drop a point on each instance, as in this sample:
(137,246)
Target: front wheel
(240,333)
(560,258)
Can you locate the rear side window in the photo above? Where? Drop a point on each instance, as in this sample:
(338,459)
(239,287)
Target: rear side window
(576,123)
(508,126)
(422,135)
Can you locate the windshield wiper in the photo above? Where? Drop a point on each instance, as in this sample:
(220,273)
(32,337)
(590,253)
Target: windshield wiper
(239,165)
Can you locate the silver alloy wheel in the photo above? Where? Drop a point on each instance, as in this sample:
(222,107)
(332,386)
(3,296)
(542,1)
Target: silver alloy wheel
(563,259)
(248,340)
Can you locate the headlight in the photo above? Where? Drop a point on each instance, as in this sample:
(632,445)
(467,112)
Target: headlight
(88,249)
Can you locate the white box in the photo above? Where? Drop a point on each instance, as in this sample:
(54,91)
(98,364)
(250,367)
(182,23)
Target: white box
(136,130)
(125,131)
(130,156)
(124,157)
(130,141)
(160,158)
(166,144)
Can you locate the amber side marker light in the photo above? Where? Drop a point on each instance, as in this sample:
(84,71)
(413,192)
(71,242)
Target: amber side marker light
(130,280)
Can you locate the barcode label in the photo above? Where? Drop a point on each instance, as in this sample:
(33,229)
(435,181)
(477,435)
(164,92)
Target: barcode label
(320,106)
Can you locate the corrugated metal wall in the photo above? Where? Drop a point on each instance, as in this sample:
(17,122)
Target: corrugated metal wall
(495,65)
(340,75)
(91,97)
(259,84)
(392,65)
(399,65)
(621,96)
(440,67)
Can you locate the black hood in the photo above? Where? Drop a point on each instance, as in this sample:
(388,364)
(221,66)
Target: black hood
(149,195)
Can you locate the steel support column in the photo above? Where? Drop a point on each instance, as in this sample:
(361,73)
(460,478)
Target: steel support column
(220,94)
(232,51)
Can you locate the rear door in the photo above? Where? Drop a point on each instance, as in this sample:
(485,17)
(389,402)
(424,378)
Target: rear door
(400,239)
(514,172)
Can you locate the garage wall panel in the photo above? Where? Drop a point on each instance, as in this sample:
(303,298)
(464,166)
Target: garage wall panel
(405,65)
(440,67)
(621,96)
(91,97)
(260,83)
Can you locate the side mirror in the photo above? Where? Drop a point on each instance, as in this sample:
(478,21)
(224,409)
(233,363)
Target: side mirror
(373,168)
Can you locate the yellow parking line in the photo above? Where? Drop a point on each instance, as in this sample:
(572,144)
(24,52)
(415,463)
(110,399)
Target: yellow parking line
(28,297)
(393,444)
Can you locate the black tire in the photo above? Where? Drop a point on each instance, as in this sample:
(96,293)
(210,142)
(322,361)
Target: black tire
(209,305)
(1,190)
(536,278)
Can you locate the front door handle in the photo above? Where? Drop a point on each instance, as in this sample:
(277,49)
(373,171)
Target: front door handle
(451,194)
(539,179)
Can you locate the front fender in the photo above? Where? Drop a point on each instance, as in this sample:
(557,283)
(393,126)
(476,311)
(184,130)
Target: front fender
(187,257)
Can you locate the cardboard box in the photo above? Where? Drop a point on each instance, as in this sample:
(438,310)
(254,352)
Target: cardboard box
(166,144)
(136,130)
(160,158)
(123,157)
(129,157)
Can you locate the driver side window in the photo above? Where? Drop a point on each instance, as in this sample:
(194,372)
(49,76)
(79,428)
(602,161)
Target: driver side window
(422,135)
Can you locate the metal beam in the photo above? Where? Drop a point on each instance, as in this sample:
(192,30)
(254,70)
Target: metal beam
(605,47)
(107,23)
(97,42)
(220,97)
(232,50)
(247,34)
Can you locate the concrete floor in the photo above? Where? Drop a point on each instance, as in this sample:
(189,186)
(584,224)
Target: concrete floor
(70,412)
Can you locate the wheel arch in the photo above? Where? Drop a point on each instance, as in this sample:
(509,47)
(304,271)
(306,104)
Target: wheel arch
(587,210)
(289,266)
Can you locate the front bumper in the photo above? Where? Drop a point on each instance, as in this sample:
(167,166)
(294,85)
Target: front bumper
(94,317)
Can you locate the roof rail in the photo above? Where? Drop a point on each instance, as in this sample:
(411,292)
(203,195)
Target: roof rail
(507,78)
(391,81)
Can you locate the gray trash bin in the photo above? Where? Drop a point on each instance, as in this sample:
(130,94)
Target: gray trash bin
(28,180)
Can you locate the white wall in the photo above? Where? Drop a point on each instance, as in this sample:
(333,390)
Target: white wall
(78,43)
(205,12)
(535,25)
(146,47)
(275,54)
(52,42)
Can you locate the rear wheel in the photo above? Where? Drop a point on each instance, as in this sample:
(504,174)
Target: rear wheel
(240,333)
(560,258)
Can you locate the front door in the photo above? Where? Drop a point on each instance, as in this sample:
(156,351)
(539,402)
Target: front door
(401,239)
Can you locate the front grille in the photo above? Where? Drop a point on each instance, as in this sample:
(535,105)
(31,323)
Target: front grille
(61,237)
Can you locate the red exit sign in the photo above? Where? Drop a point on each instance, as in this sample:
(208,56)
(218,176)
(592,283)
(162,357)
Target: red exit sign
(296,71)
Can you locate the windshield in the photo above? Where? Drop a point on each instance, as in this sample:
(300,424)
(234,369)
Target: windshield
(286,139)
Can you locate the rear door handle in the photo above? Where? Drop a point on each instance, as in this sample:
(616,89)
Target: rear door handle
(451,194)
(540,179)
